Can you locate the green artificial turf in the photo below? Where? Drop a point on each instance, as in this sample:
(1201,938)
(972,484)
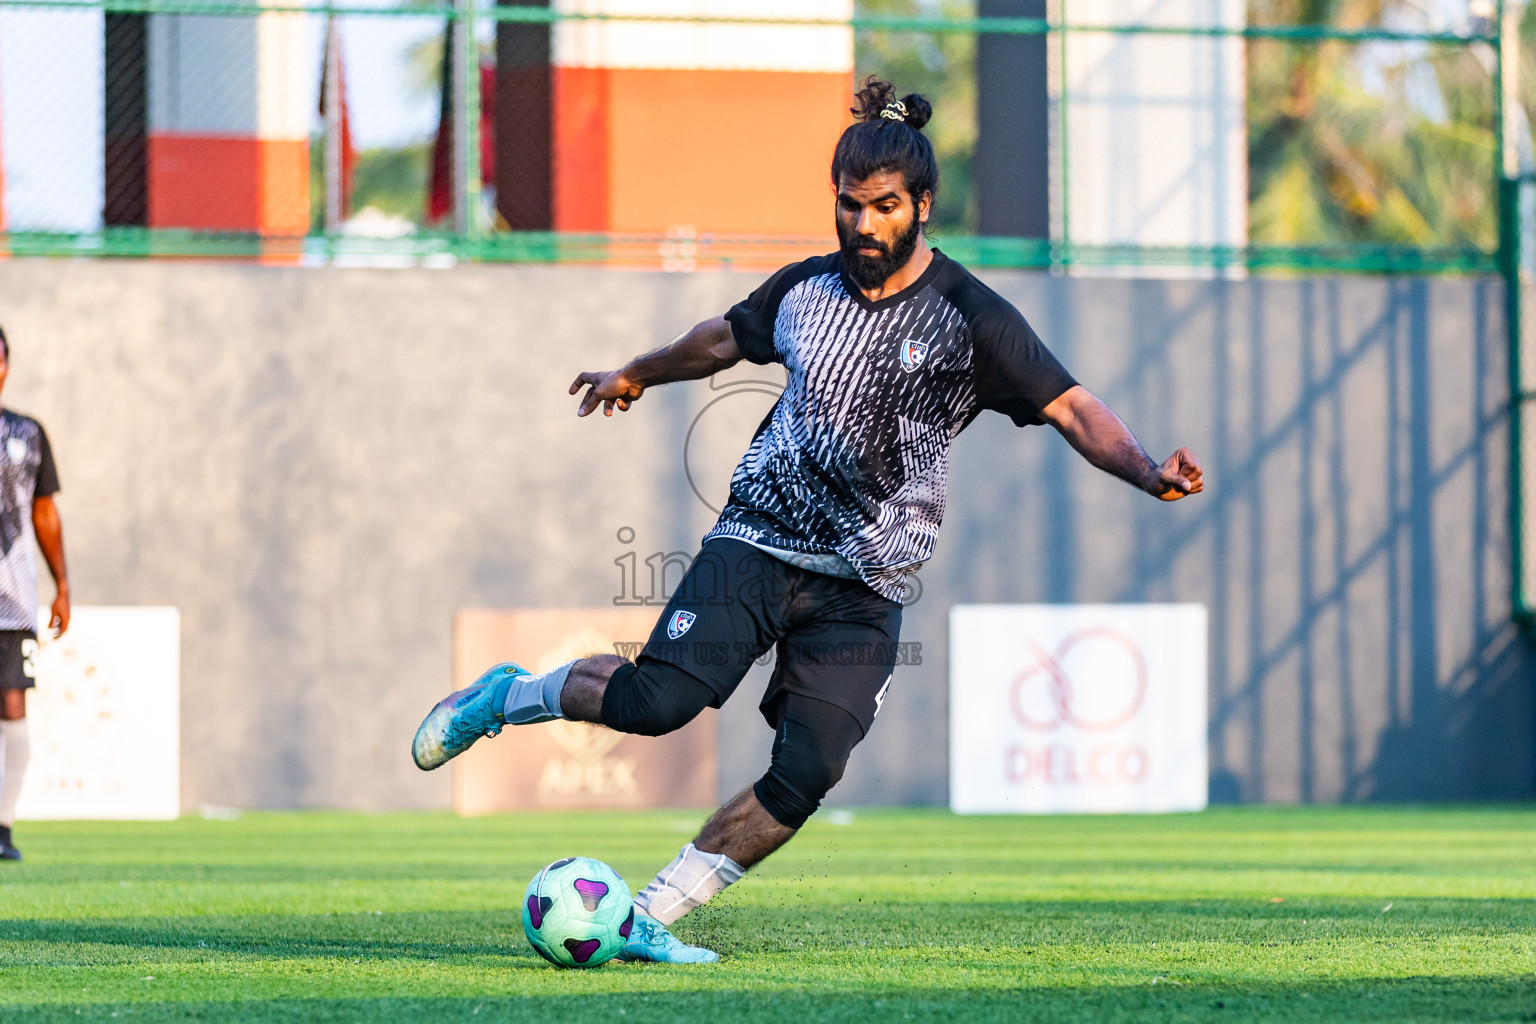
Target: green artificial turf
(1352,914)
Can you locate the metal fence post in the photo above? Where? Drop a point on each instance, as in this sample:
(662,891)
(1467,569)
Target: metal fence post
(1065,251)
(467,213)
(334,171)
(458,55)
(1507,72)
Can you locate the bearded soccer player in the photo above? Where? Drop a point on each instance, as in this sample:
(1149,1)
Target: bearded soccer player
(891,349)
(28,482)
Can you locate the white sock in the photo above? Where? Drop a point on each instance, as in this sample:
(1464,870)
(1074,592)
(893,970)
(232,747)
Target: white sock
(686,883)
(18,748)
(533,699)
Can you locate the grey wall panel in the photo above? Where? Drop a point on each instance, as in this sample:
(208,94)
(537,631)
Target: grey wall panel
(319,466)
(1353,545)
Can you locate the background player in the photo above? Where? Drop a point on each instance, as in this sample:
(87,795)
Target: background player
(28,482)
(891,350)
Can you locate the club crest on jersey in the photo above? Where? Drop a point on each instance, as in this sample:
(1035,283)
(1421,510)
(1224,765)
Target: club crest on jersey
(679,623)
(15,448)
(913,352)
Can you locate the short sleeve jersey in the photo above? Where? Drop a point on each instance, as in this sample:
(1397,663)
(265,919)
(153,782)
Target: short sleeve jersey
(853,459)
(27,472)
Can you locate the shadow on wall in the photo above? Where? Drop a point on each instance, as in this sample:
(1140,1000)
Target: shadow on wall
(325,495)
(1353,544)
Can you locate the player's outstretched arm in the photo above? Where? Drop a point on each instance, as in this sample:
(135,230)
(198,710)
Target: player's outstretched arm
(50,540)
(705,350)
(1099,436)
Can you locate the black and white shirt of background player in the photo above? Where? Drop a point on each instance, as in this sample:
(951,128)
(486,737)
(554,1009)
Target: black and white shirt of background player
(26,472)
(853,458)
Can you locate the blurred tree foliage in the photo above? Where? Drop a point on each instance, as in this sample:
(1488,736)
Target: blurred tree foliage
(942,67)
(1376,142)
(392,182)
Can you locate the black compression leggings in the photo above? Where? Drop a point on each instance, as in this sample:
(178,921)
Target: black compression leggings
(811,743)
(653,701)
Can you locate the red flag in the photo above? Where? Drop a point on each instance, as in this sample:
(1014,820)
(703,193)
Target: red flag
(440,183)
(487,124)
(348,155)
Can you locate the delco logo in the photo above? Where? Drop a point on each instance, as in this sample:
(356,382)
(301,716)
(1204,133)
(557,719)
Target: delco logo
(1073,708)
(1046,698)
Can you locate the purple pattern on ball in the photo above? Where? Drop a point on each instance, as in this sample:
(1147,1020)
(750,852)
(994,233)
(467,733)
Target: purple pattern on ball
(628,925)
(538,906)
(591,892)
(582,951)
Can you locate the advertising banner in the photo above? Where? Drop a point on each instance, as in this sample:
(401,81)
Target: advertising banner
(1077,708)
(105,718)
(572,764)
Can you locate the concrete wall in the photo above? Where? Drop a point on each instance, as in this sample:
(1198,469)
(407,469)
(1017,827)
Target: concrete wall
(319,466)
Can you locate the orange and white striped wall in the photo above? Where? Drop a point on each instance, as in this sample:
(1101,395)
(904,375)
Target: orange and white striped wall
(678,127)
(228,146)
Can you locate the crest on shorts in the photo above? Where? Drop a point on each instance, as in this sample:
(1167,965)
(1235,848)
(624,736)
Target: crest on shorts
(679,623)
(913,352)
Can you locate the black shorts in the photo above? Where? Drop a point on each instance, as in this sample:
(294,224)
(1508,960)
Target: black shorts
(837,640)
(18,650)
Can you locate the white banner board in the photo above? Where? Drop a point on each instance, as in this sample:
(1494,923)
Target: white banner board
(105,718)
(1077,708)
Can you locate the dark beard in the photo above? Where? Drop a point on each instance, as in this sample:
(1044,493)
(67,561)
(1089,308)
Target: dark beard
(871,272)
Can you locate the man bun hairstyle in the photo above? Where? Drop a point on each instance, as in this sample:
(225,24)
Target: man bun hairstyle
(877,103)
(887,136)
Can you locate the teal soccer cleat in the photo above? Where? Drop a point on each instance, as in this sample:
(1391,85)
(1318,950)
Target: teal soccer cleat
(649,941)
(462,717)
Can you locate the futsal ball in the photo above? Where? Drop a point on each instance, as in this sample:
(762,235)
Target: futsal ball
(578,913)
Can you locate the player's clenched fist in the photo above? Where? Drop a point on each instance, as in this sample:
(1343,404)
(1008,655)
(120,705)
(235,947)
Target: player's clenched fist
(1178,475)
(610,388)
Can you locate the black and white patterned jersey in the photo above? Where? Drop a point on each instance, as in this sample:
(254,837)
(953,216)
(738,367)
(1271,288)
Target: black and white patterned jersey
(26,472)
(853,458)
